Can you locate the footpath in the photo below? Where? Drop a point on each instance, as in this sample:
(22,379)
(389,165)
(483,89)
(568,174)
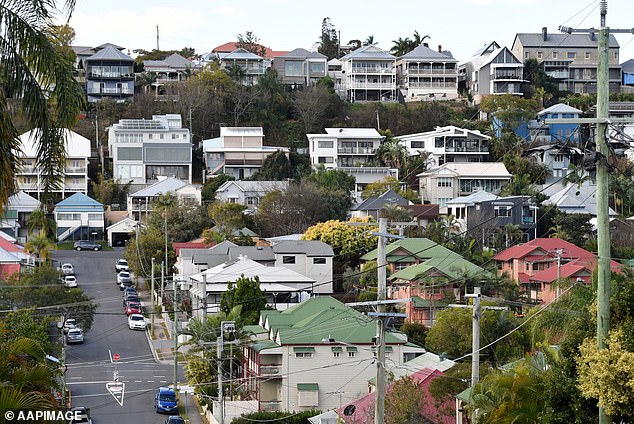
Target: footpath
(161,344)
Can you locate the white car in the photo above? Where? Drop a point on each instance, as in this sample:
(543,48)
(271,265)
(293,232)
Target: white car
(74,335)
(67,269)
(70,281)
(136,322)
(121,265)
(68,324)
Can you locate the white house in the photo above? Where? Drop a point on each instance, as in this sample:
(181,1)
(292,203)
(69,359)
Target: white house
(143,150)
(448,144)
(140,202)
(312,258)
(451,180)
(16,214)
(370,75)
(248,193)
(343,147)
(79,218)
(426,75)
(28,177)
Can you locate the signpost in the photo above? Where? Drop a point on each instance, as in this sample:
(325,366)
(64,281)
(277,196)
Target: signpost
(116,388)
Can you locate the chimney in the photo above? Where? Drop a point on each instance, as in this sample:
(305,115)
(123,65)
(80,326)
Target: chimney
(439,48)
(426,44)
(545,33)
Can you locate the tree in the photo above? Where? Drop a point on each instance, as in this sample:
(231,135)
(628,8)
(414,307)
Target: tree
(275,167)
(401,46)
(329,41)
(404,402)
(110,192)
(391,152)
(227,217)
(379,187)
(416,333)
(251,43)
(212,184)
(369,40)
(246,293)
(331,179)
(39,245)
(311,105)
(63,36)
(511,110)
(39,222)
(147,80)
(576,227)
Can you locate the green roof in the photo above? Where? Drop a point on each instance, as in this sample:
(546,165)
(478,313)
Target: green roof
(313,387)
(464,395)
(409,249)
(303,349)
(254,329)
(264,344)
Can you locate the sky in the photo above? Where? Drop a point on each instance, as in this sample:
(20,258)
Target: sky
(461,26)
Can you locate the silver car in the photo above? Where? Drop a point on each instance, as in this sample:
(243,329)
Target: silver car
(74,335)
(68,269)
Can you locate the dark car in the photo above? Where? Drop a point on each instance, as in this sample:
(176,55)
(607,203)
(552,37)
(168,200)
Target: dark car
(131,298)
(128,291)
(174,420)
(165,400)
(86,245)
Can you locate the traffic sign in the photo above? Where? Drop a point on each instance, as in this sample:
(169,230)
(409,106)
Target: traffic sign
(116,356)
(117,390)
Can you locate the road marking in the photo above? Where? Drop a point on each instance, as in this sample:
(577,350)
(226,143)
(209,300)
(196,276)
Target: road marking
(162,381)
(110,355)
(138,381)
(150,381)
(159,376)
(77,378)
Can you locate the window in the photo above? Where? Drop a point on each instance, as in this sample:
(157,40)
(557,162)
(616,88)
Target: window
(439,142)
(352,351)
(325,144)
(442,201)
(293,68)
(129,153)
(527,55)
(316,68)
(252,201)
(325,159)
(336,351)
(95,217)
(502,211)
(444,181)
(352,354)
(308,394)
(303,354)
(587,55)
(319,261)
(418,144)
(304,351)
(540,55)
(288,259)
(571,55)
(555,55)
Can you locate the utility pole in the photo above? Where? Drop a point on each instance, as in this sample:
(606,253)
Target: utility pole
(157,38)
(602,151)
(228,326)
(152,297)
(175,336)
(162,280)
(381,261)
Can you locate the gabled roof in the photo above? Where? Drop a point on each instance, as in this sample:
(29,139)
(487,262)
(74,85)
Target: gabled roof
(390,197)
(472,169)
(9,246)
(177,61)
(231,46)
(22,201)
(241,54)
(232,270)
(303,54)
(110,53)
(548,245)
(477,197)
(78,200)
(8,257)
(451,265)
(77,146)
(577,199)
(423,52)
(425,211)
(126,224)
(368,52)
(178,246)
(488,56)
(628,66)
(308,247)
(560,108)
(409,249)
(256,253)
(162,187)
(562,41)
(254,186)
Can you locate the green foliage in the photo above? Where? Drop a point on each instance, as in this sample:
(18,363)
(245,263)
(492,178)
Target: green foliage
(576,227)
(444,389)
(276,167)
(277,417)
(212,184)
(404,402)
(151,244)
(26,323)
(331,179)
(246,293)
(227,217)
(539,79)
(329,41)
(251,43)
(510,110)
(185,221)
(416,333)
(109,192)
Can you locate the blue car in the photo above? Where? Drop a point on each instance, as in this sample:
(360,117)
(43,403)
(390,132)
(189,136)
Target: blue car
(165,400)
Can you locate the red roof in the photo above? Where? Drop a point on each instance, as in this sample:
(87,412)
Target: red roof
(550,245)
(178,245)
(10,247)
(231,46)
(571,269)
(523,277)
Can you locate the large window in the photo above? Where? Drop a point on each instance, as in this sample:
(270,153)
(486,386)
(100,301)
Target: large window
(288,259)
(129,153)
(95,217)
(444,181)
(293,68)
(325,159)
(319,261)
(168,154)
(316,68)
(502,211)
(325,144)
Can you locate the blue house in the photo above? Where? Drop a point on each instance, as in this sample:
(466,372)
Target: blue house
(627,69)
(79,217)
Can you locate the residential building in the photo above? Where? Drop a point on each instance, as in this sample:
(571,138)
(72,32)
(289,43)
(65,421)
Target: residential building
(173,69)
(448,144)
(300,68)
(558,159)
(536,264)
(370,75)
(335,72)
(372,206)
(109,74)
(575,198)
(231,46)
(9,264)
(302,354)
(118,233)
(142,150)
(495,221)
(16,213)
(424,214)
(79,218)
(621,232)
(248,193)
(239,152)
(493,70)
(28,177)
(627,68)
(312,258)
(365,175)
(454,179)
(282,286)
(191,261)
(537,132)
(245,66)
(571,59)
(426,75)
(141,202)
(343,147)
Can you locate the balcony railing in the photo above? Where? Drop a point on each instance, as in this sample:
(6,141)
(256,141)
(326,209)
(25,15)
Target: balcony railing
(507,76)
(434,85)
(270,370)
(75,170)
(474,149)
(356,150)
(270,405)
(110,75)
(426,71)
(108,90)
(375,85)
(371,70)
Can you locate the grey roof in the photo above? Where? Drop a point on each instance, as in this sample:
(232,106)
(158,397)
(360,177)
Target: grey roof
(560,108)
(83,50)
(477,197)
(308,247)
(22,200)
(377,203)
(223,247)
(162,187)
(628,66)
(557,40)
(8,257)
(303,54)
(241,54)
(577,199)
(424,52)
(255,186)
(368,52)
(177,61)
(104,45)
(256,253)
(110,53)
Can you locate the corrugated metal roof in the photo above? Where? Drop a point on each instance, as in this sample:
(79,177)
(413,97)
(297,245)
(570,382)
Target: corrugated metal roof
(560,108)
(308,247)
(424,52)
(370,52)
(304,54)
(556,40)
(167,185)
(241,54)
(110,53)
(79,199)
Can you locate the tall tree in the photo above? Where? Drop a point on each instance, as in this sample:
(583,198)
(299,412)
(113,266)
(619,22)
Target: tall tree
(245,293)
(311,105)
(329,40)
(251,43)
(401,46)
(40,79)
(227,217)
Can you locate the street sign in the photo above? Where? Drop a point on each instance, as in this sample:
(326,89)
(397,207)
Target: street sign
(117,390)
(116,356)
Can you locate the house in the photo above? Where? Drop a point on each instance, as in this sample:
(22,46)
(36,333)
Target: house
(300,68)
(118,233)
(9,264)
(432,412)
(282,286)
(231,46)
(448,144)
(621,231)
(372,206)
(335,72)
(143,150)
(239,152)
(190,261)
(627,68)
(527,264)
(493,70)
(424,74)
(370,75)
(486,216)
(16,250)
(454,179)
(343,147)
(79,218)
(173,69)
(424,214)
(299,356)
(246,66)
(140,202)
(15,215)
(558,159)
(574,198)
(312,258)
(571,59)
(555,132)
(28,177)
(248,193)
(109,74)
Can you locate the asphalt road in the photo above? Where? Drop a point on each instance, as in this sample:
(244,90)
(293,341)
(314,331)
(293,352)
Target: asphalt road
(89,364)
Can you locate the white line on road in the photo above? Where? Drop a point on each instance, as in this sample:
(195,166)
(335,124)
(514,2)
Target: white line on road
(150,381)
(138,381)
(110,355)
(159,376)
(76,378)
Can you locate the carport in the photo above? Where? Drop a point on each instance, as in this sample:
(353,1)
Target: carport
(119,232)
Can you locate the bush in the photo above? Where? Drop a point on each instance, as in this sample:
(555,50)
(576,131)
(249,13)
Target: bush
(278,417)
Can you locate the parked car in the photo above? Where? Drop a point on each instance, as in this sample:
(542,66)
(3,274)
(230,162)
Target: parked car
(86,245)
(68,324)
(121,265)
(124,279)
(165,400)
(174,420)
(67,269)
(132,307)
(81,415)
(70,281)
(74,335)
(130,298)
(136,322)
(129,291)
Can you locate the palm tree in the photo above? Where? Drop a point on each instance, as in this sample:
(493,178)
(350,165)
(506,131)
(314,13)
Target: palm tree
(401,46)
(369,41)
(396,213)
(39,79)
(392,153)
(418,40)
(39,222)
(147,80)
(40,246)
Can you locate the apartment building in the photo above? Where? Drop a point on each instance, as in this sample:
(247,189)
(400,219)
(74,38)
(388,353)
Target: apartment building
(109,74)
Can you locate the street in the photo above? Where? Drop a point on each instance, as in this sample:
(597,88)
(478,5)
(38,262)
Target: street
(90,365)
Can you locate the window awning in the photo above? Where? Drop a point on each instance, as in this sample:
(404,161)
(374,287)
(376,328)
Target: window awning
(303,349)
(336,349)
(307,387)
(351,348)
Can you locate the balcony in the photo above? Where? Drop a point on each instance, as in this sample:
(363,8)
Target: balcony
(558,74)
(110,75)
(270,370)
(80,170)
(110,90)
(467,149)
(375,85)
(371,70)
(432,85)
(270,405)
(356,150)
(429,71)
(507,76)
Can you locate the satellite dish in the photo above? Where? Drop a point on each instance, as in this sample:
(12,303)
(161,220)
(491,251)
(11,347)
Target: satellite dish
(349,410)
